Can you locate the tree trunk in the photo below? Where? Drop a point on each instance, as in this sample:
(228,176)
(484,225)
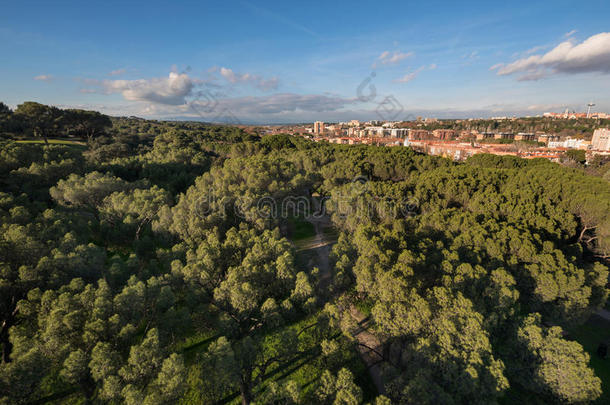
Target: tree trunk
(246,395)
(6,343)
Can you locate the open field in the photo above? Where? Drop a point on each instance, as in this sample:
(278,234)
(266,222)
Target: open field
(67,142)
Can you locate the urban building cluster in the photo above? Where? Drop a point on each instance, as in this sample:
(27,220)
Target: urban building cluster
(458,145)
(566,115)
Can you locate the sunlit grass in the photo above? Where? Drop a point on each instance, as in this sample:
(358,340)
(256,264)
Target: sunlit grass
(67,142)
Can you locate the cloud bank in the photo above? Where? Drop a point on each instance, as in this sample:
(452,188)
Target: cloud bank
(278,103)
(171,90)
(248,78)
(591,55)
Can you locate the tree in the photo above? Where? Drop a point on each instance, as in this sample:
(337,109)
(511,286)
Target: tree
(577,156)
(86,191)
(5,117)
(136,208)
(44,120)
(88,124)
(250,279)
(440,339)
(242,190)
(550,365)
(339,390)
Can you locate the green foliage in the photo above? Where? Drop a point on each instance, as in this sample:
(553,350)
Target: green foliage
(551,366)
(85,124)
(145,271)
(86,191)
(339,390)
(577,156)
(41,119)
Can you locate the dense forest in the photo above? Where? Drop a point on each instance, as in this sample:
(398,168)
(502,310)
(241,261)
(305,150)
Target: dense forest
(147,262)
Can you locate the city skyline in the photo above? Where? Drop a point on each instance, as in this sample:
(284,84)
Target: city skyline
(280,64)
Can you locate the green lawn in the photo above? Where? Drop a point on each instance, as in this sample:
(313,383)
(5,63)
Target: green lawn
(68,142)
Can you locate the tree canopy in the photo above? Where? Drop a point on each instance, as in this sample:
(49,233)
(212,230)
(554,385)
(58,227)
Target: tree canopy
(164,262)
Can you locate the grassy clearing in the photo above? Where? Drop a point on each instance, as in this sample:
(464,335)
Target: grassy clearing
(66,142)
(307,370)
(300,229)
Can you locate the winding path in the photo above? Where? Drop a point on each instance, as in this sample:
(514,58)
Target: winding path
(369,345)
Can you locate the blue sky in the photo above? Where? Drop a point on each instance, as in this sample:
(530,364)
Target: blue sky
(259,62)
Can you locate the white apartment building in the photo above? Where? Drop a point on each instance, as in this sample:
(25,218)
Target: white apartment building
(601,139)
(568,143)
(399,132)
(376,131)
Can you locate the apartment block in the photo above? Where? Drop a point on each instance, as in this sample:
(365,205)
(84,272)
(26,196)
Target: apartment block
(601,139)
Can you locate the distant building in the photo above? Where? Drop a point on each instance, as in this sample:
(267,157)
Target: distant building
(601,139)
(465,134)
(544,138)
(522,136)
(418,134)
(318,127)
(574,115)
(399,132)
(504,135)
(485,135)
(444,133)
(569,144)
(377,131)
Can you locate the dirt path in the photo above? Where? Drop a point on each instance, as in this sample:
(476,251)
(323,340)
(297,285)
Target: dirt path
(369,348)
(368,344)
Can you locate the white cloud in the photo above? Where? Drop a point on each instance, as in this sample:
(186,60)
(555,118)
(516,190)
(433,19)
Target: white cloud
(406,78)
(171,90)
(547,107)
(535,49)
(496,66)
(410,76)
(387,58)
(278,103)
(255,80)
(44,78)
(117,72)
(591,55)
(570,33)
(283,107)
